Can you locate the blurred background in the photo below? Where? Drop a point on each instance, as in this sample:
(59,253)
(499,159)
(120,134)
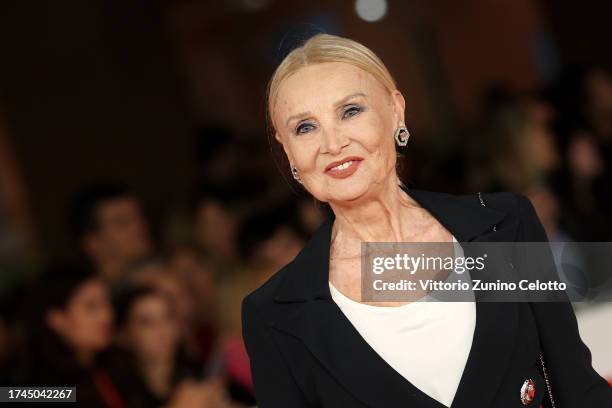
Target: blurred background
(141,197)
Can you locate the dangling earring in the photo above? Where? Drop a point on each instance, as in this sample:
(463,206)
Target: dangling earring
(295,174)
(401,136)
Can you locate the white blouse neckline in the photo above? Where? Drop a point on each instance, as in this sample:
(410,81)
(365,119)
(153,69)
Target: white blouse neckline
(338,296)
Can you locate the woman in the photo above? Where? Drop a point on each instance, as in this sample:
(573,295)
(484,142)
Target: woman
(336,111)
(151,366)
(68,333)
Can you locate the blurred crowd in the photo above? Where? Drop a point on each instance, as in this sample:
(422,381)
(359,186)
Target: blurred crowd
(555,146)
(135,318)
(134,324)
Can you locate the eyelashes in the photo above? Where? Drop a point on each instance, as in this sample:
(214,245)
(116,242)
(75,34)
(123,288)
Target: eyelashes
(347,112)
(304,128)
(351,111)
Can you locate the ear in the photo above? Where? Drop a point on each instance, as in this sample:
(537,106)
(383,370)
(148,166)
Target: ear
(399,105)
(56,321)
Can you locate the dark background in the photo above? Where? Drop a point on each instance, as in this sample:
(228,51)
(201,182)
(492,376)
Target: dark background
(121,89)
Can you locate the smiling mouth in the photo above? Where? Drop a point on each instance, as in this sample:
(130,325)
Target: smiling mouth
(343,168)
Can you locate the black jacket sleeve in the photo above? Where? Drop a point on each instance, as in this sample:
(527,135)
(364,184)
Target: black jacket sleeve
(274,385)
(574,382)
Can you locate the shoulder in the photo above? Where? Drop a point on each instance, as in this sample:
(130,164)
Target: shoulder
(520,211)
(506,200)
(471,215)
(516,204)
(471,206)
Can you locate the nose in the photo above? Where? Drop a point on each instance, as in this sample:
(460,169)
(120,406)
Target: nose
(333,141)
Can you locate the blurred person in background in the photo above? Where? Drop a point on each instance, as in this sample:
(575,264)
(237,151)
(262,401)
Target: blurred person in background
(215,226)
(109,227)
(599,119)
(156,274)
(583,186)
(178,278)
(17,235)
(69,329)
(516,147)
(153,368)
(198,276)
(272,236)
(583,97)
(19,249)
(547,207)
(583,100)
(598,109)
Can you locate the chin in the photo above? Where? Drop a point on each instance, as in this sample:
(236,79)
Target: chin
(350,191)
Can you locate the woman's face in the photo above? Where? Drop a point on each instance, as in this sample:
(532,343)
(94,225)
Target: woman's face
(336,123)
(87,320)
(151,330)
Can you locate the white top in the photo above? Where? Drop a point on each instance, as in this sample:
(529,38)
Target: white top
(427,342)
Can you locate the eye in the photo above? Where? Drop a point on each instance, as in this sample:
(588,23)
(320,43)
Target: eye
(304,128)
(351,110)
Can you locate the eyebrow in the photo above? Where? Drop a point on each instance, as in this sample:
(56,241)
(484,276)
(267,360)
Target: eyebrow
(340,102)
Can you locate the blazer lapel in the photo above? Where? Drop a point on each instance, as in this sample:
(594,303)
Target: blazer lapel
(339,347)
(341,350)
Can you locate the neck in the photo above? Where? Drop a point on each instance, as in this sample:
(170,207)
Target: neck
(377,218)
(158,374)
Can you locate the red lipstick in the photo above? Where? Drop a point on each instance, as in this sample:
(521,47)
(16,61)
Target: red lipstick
(343,168)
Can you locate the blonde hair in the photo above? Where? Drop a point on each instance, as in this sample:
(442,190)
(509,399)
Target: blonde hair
(327,48)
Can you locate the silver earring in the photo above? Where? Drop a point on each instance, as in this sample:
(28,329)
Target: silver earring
(295,174)
(401,136)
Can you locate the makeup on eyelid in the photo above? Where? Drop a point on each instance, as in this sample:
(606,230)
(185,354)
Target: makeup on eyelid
(349,108)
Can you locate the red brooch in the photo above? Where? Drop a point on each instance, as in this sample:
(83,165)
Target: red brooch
(527,392)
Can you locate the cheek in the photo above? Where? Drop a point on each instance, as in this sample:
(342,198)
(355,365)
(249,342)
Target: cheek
(117,236)
(171,334)
(302,151)
(149,338)
(83,331)
(158,338)
(377,139)
(141,336)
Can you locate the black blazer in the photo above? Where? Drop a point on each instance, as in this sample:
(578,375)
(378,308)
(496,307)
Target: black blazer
(305,353)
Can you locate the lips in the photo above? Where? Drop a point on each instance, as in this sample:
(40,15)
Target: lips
(343,168)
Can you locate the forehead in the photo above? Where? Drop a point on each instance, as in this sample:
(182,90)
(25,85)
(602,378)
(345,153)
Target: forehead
(148,301)
(117,204)
(89,287)
(322,84)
